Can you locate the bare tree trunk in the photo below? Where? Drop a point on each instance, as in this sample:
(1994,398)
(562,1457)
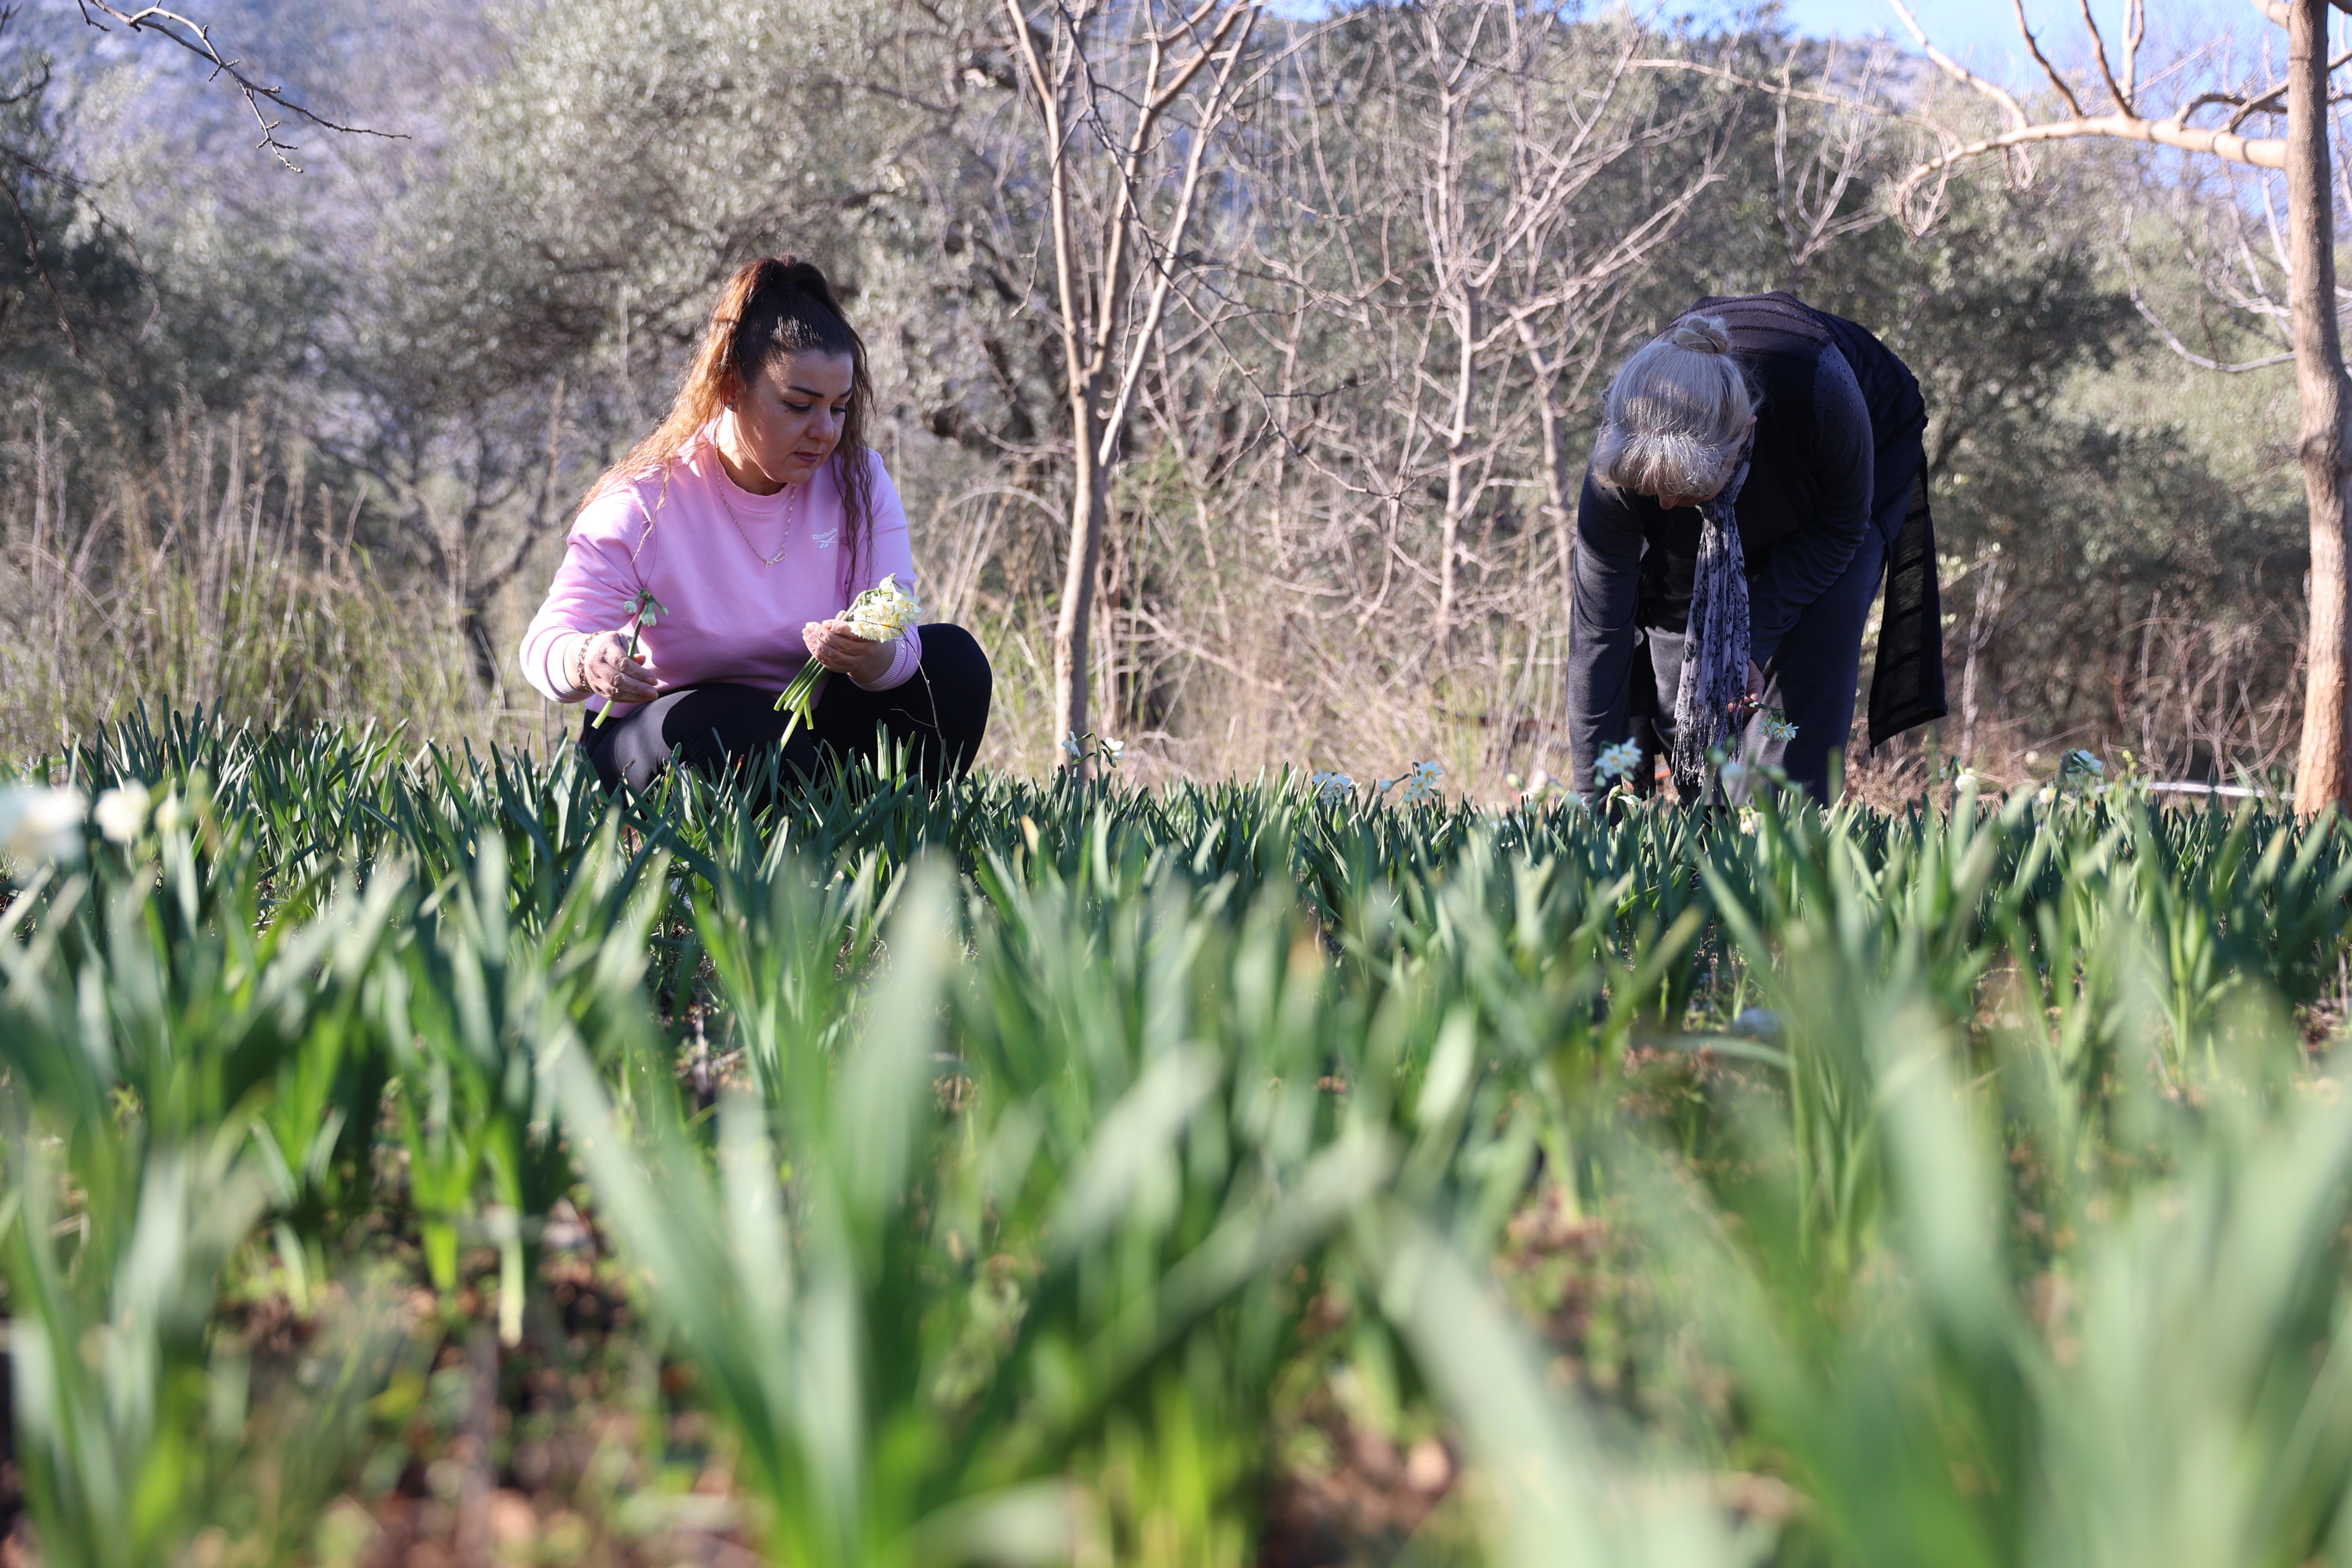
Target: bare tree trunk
(2322,777)
(1089,510)
(1558,504)
(1460,497)
(2324,769)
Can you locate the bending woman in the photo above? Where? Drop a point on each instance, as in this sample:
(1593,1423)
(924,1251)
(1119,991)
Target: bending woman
(1759,468)
(753,515)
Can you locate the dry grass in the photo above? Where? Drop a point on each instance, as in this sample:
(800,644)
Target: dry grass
(222,572)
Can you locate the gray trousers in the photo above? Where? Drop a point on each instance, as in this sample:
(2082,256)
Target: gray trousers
(1812,678)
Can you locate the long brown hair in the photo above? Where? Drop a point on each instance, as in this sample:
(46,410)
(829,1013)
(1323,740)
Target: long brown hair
(778,305)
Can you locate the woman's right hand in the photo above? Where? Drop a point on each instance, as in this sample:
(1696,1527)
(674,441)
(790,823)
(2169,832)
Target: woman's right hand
(610,671)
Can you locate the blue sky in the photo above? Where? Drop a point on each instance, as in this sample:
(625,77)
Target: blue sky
(1984,32)
(1961,27)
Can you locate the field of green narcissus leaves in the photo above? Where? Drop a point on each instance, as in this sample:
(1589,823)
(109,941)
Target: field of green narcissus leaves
(411,1157)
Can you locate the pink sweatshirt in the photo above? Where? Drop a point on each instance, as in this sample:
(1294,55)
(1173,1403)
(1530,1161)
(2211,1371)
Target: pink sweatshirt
(700,549)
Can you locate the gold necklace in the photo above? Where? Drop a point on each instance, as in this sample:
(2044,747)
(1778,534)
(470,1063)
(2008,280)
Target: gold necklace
(792,515)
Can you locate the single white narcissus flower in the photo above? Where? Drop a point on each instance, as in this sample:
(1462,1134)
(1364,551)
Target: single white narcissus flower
(1111,749)
(1070,744)
(171,814)
(122,812)
(38,823)
(1618,761)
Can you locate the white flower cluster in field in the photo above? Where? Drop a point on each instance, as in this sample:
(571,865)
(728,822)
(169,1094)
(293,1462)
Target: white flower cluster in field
(39,824)
(1421,783)
(1077,747)
(1423,786)
(883,612)
(1618,764)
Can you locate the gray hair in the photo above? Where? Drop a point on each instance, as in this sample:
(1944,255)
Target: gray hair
(1676,413)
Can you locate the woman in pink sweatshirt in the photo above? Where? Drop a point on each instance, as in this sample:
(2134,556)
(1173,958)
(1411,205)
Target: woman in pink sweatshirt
(753,515)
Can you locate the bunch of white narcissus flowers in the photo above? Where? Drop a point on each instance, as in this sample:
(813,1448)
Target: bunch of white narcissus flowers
(1330,788)
(39,824)
(1777,725)
(881,613)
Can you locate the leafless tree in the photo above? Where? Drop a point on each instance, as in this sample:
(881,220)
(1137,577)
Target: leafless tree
(1130,99)
(2302,155)
(1499,152)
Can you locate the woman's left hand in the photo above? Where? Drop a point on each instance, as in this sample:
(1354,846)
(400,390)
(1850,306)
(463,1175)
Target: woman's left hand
(832,644)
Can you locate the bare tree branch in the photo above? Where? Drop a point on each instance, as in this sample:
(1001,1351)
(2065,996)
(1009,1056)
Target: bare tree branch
(2172,340)
(197,38)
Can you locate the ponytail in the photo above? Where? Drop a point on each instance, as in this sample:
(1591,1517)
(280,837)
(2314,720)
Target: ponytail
(776,307)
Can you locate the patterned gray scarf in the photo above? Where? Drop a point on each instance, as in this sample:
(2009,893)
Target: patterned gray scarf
(1714,647)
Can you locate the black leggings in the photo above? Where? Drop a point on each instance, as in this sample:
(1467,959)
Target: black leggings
(941,711)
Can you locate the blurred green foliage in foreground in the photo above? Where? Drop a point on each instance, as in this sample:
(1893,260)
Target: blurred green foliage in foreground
(1000,1160)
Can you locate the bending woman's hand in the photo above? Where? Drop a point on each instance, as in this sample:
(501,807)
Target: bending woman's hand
(608,670)
(832,644)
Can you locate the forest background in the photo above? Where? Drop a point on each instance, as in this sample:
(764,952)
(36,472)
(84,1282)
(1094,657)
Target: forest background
(303,445)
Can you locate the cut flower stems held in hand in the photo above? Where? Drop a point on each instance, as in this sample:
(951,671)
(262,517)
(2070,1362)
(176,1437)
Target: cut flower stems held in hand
(646,611)
(881,613)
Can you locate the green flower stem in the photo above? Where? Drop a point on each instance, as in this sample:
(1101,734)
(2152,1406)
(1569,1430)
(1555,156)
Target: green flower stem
(801,696)
(645,605)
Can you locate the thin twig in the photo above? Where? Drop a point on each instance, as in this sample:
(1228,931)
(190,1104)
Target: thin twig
(197,38)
